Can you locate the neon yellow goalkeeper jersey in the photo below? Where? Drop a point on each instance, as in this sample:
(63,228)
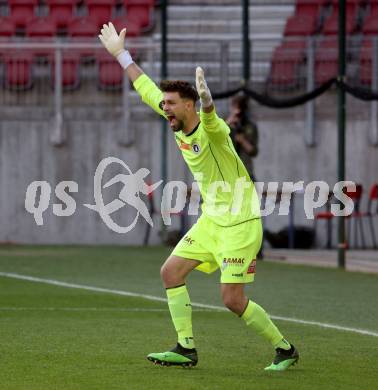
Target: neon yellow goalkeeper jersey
(229,196)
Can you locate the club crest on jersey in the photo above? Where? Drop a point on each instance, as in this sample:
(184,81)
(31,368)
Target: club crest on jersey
(196,148)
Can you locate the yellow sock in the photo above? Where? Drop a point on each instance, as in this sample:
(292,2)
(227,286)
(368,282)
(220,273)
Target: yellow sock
(256,318)
(181,313)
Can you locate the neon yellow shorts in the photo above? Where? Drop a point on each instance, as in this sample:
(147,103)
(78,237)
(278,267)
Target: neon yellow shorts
(232,249)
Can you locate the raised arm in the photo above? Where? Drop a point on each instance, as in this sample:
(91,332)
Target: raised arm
(212,124)
(203,90)
(115,44)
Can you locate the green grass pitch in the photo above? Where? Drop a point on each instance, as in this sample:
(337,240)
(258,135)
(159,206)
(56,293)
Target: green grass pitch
(54,337)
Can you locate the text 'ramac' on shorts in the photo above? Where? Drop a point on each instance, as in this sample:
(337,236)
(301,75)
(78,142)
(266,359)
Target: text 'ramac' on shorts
(232,249)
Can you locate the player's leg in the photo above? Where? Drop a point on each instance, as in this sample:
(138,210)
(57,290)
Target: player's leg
(188,254)
(173,273)
(237,268)
(259,321)
(254,315)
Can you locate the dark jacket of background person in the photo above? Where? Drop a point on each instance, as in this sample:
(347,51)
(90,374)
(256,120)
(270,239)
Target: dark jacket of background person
(244,132)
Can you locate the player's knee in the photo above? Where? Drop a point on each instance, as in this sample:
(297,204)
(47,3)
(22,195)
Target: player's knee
(233,297)
(164,273)
(168,275)
(233,303)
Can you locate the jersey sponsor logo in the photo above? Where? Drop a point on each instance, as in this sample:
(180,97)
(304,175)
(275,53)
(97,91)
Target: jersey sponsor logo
(252,267)
(188,240)
(196,148)
(238,275)
(184,146)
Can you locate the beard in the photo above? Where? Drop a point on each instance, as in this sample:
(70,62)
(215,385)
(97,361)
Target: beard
(176,125)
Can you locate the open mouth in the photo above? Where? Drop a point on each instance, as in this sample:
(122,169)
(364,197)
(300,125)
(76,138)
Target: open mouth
(171,119)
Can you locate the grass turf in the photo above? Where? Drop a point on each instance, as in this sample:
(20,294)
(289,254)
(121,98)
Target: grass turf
(60,338)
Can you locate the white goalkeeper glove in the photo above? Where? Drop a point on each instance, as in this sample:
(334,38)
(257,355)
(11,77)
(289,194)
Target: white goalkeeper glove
(203,89)
(115,44)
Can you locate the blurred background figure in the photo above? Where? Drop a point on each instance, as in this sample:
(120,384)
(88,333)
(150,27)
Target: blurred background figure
(244,132)
(244,135)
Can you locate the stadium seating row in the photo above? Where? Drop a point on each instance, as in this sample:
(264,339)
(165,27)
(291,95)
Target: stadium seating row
(19,68)
(320,18)
(18,65)
(61,15)
(81,27)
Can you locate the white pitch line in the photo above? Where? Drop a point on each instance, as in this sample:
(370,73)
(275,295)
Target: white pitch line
(96,309)
(194,304)
(109,309)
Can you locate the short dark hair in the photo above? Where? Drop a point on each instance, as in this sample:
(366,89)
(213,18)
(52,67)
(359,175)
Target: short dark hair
(183,88)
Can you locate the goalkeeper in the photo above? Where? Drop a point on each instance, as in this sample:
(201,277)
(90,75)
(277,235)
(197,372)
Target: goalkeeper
(228,233)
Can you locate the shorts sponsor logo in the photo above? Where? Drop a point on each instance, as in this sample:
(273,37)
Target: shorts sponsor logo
(252,267)
(188,240)
(238,275)
(239,261)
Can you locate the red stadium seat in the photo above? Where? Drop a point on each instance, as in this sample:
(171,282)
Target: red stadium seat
(298,25)
(366,60)
(308,6)
(43,29)
(370,29)
(61,11)
(305,19)
(7,30)
(18,70)
(331,25)
(7,27)
(110,74)
(326,60)
(100,10)
(370,26)
(140,11)
(84,27)
(286,61)
(373,7)
(70,70)
(22,11)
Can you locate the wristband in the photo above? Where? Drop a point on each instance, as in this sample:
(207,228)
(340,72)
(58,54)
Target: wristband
(125,59)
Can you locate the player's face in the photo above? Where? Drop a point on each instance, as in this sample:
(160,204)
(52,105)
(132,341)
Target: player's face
(176,109)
